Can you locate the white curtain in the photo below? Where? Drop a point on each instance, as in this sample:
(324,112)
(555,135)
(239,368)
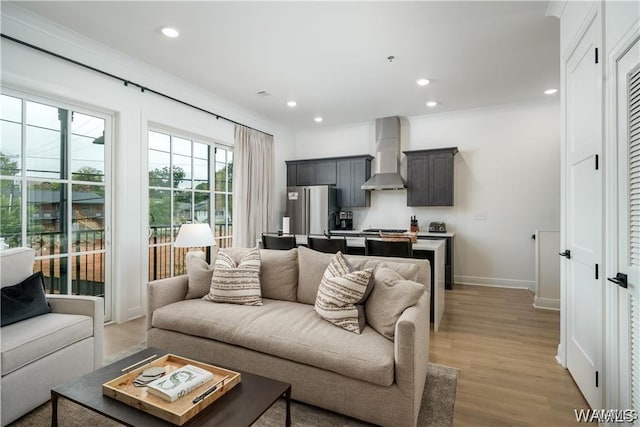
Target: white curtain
(253,177)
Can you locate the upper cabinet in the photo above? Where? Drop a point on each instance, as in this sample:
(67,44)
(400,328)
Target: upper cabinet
(346,173)
(311,172)
(352,173)
(430,177)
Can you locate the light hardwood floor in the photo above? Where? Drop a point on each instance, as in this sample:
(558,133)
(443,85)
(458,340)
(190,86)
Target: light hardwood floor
(505,350)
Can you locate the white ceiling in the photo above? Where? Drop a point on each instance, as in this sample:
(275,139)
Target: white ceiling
(331,56)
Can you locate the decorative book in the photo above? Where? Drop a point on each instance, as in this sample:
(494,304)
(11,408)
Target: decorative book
(178,383)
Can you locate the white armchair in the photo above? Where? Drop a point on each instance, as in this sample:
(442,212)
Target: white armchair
(47,350)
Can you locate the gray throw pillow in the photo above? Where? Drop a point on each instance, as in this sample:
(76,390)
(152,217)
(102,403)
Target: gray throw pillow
(392,294)
(199,273)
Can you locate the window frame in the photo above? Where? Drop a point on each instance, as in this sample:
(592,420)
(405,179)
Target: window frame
(212,144)
(108,183)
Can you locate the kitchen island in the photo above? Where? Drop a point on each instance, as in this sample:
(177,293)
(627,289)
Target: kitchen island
(422,235)
(433,250)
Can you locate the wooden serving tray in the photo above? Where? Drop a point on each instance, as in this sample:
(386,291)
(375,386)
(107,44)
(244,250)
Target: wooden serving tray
(181,410)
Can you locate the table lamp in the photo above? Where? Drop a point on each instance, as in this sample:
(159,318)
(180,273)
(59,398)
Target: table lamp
(194,236)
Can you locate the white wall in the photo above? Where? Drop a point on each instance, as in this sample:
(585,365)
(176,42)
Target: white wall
(30,71)
(507,170)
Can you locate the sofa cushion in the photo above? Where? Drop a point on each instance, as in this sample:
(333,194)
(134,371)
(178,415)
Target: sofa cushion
(312,264)
(342,293)
(16,264)
(24,300)
(35,338)
(279,274)
(236,283)
(391,296)
(288,330)
(199,273)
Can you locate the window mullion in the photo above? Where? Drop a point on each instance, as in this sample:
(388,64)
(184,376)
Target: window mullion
(23,175)
(171,213)
(69,195)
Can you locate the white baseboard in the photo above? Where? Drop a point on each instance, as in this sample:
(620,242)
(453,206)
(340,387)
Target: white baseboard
(495,282)
(135,312)
(546,303)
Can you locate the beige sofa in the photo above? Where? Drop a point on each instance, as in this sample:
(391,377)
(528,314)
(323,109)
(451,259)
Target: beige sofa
(47,350)
(365,376)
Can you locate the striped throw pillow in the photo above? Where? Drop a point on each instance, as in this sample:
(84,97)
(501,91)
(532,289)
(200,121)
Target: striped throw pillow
(236,283)
(342,293)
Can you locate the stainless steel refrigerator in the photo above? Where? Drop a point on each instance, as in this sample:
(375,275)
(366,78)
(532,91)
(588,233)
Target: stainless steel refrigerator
(312,209)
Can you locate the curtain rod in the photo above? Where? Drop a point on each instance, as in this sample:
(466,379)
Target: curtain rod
(125,81)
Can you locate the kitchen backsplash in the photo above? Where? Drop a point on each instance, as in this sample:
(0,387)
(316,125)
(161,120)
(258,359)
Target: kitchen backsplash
(389,210)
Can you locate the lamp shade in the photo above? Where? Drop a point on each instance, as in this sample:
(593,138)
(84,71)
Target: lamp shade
(194,235)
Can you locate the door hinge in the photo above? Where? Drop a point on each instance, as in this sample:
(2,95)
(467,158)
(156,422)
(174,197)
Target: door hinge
(597,275)
(597,379)
(596,55)
(597,162)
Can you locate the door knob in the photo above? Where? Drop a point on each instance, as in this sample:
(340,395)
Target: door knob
(566,254)
(620,280)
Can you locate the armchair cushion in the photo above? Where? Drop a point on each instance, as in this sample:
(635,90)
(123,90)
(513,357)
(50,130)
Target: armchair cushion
(24,300)
(35,338)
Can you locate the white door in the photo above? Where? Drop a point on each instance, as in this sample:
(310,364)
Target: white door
(628,298)
(584,210)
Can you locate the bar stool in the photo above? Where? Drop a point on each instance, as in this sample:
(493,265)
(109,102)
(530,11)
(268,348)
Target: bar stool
(392,248)
(280,242)
(330,245)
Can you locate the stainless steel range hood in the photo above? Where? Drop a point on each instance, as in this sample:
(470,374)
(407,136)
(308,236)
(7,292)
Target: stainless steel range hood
(386,175)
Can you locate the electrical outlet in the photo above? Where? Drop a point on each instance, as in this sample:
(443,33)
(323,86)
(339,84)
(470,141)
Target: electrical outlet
(481,216)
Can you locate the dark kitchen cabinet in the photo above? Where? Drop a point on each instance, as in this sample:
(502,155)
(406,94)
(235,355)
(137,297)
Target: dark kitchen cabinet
(311,172)
(326,172)
(430,177)
(346,173)
(351,174)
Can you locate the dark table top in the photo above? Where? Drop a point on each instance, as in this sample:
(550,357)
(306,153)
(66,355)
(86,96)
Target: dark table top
(240,406)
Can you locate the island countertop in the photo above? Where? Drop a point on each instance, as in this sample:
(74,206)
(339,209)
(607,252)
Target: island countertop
(358,242)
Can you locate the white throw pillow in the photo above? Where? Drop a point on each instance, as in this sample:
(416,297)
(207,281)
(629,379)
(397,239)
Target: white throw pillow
(236,283)
(342,293)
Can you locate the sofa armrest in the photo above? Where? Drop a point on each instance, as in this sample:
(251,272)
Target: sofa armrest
(163,292)
(86,306)
(412,349)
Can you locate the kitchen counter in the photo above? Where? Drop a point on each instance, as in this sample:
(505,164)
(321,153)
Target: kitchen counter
(370,233)
(358,242)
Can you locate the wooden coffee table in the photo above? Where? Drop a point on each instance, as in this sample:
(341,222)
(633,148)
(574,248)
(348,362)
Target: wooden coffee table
(240,406)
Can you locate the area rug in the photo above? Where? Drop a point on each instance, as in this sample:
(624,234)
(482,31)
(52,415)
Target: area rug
(437,408)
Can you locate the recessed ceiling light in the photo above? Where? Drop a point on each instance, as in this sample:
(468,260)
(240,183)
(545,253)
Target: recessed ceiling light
(292,103)
(550,91)
(318,119)
(170,32)
(432,104)
(422,82)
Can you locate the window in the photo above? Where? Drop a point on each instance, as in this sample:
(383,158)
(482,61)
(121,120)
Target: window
(223,197)
(180,192)
(54,192)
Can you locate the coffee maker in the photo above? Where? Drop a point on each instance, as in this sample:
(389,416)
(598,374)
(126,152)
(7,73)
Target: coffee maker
(346,220)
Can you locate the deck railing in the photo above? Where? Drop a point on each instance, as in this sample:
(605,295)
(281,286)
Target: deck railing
(87,270)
